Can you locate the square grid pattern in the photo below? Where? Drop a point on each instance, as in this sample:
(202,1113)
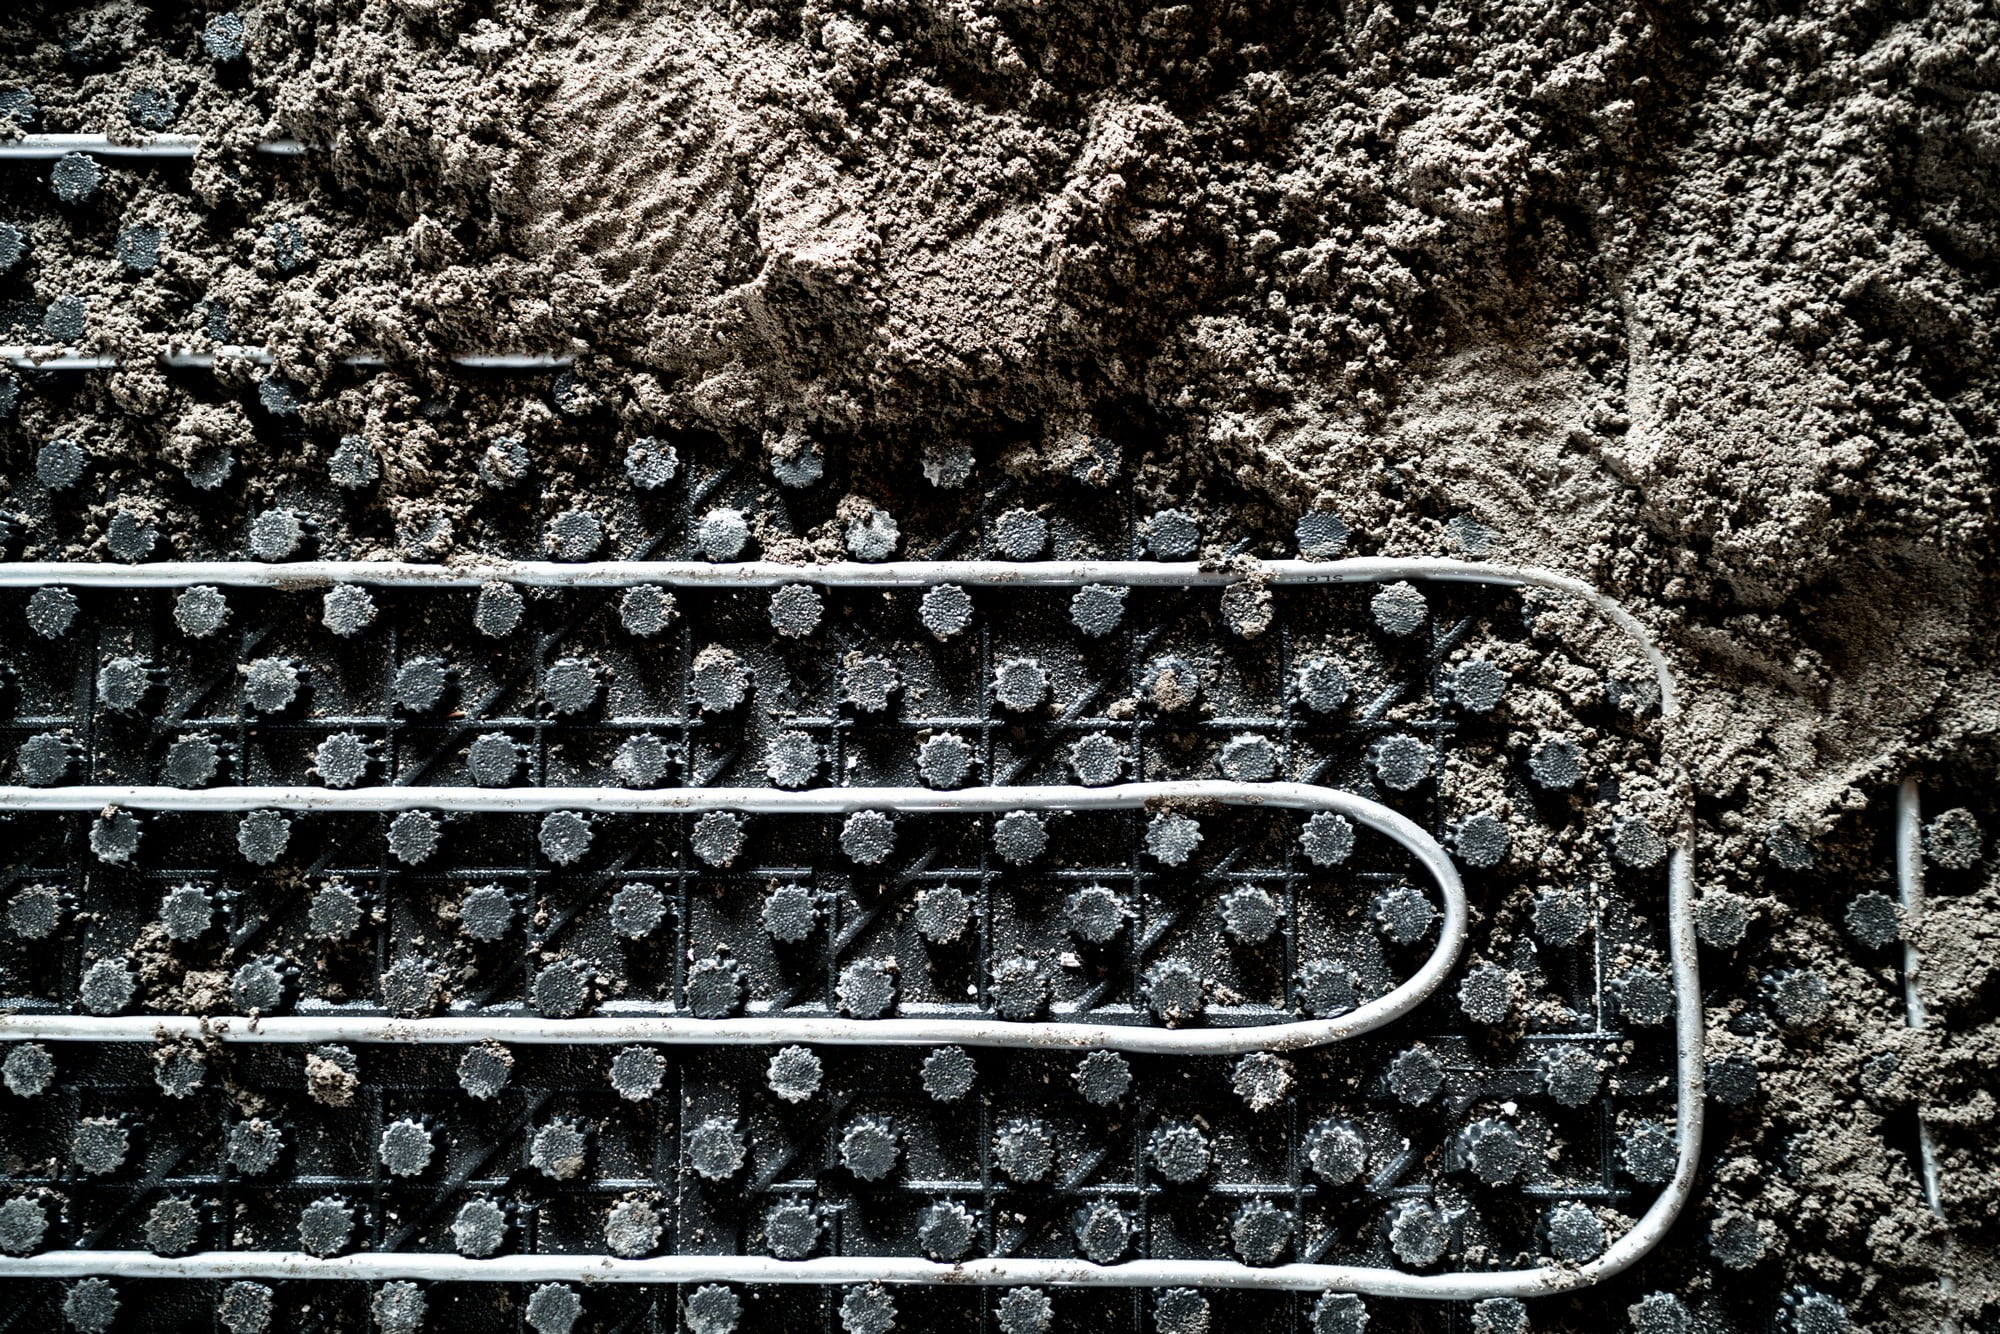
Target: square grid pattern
(639,1151)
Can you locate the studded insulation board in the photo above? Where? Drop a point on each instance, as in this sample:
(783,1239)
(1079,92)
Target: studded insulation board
(1006,931)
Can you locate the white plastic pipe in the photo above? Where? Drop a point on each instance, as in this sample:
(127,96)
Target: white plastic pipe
(32,357)
(773,1029)
(1537,1281)
(1910,893)
(30,147)
(1625,1251)
(56,359)
(837,574)
(442,1268)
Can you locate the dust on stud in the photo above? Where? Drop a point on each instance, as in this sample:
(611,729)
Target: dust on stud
(872,535)
(945,611)
(796,609)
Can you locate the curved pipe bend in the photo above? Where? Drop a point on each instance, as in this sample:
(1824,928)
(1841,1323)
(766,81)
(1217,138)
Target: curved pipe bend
(1384,1009)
